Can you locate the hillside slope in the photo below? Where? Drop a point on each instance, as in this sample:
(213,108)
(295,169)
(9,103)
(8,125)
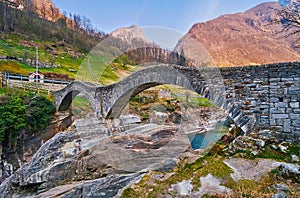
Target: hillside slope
(40,24)
(45,8)
(246,38)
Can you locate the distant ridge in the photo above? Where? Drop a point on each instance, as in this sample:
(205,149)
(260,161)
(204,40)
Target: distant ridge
(246,38)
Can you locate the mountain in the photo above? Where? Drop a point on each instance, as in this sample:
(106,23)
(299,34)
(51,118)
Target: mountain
(44,8)
(135,45)
(131,35)
(245,38)
(47,10)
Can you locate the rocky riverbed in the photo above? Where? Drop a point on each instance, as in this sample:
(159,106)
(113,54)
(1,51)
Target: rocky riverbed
(28,143)
(97,159)
(87,161)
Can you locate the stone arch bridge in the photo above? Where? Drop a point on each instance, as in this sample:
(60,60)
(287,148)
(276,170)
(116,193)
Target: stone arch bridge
(265,96)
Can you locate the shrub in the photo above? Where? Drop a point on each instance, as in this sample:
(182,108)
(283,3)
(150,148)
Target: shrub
(24,111)
(39,113)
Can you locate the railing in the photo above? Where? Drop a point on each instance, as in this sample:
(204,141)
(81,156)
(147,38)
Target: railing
(19,77)
(25,82)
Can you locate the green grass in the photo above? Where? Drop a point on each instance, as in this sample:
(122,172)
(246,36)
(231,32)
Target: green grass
(213,163)
(250,188)
(270,153)
(2,91)
(13,67)
(80,101)
(129,193)
(263,187)
(209,164)
(104,70)
(10,91)
(215,167)
(81,106)
(11,45)
(108,76)
(100,68)
(195,101)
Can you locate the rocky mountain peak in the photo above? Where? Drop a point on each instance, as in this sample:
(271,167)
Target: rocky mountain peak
(130,35)
(47,10)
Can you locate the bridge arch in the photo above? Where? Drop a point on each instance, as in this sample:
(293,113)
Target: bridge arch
(109,101)
(63,98)
(206,81)
(142,80)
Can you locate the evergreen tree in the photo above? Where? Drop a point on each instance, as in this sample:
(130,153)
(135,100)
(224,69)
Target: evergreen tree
(12,119)
(39,113)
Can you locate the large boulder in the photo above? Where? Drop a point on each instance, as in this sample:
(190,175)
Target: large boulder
(90,162)
(290,171)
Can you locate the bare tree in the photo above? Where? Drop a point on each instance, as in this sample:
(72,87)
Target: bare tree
(29,9)
(4,16)
(77,21)
(54,14)
(29,6)
(87,25)
(290,15)
(71,22)
(43,10)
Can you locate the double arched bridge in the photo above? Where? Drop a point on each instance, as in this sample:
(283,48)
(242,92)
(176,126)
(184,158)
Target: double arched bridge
(254,97)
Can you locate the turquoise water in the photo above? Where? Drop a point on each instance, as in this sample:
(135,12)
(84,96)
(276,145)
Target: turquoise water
(204,140)
(196,140)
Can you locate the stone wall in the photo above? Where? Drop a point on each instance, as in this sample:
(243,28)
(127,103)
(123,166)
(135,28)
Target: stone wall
(271,93)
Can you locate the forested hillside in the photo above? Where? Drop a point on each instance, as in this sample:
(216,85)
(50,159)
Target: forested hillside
(24,17)
(63,42)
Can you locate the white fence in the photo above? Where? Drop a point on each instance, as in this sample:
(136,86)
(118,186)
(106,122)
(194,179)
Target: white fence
(20,81)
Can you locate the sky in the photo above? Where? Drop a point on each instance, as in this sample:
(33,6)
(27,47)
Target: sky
(180,15)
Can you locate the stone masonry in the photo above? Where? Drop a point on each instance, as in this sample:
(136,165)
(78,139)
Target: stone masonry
(271,93)
(255,97)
